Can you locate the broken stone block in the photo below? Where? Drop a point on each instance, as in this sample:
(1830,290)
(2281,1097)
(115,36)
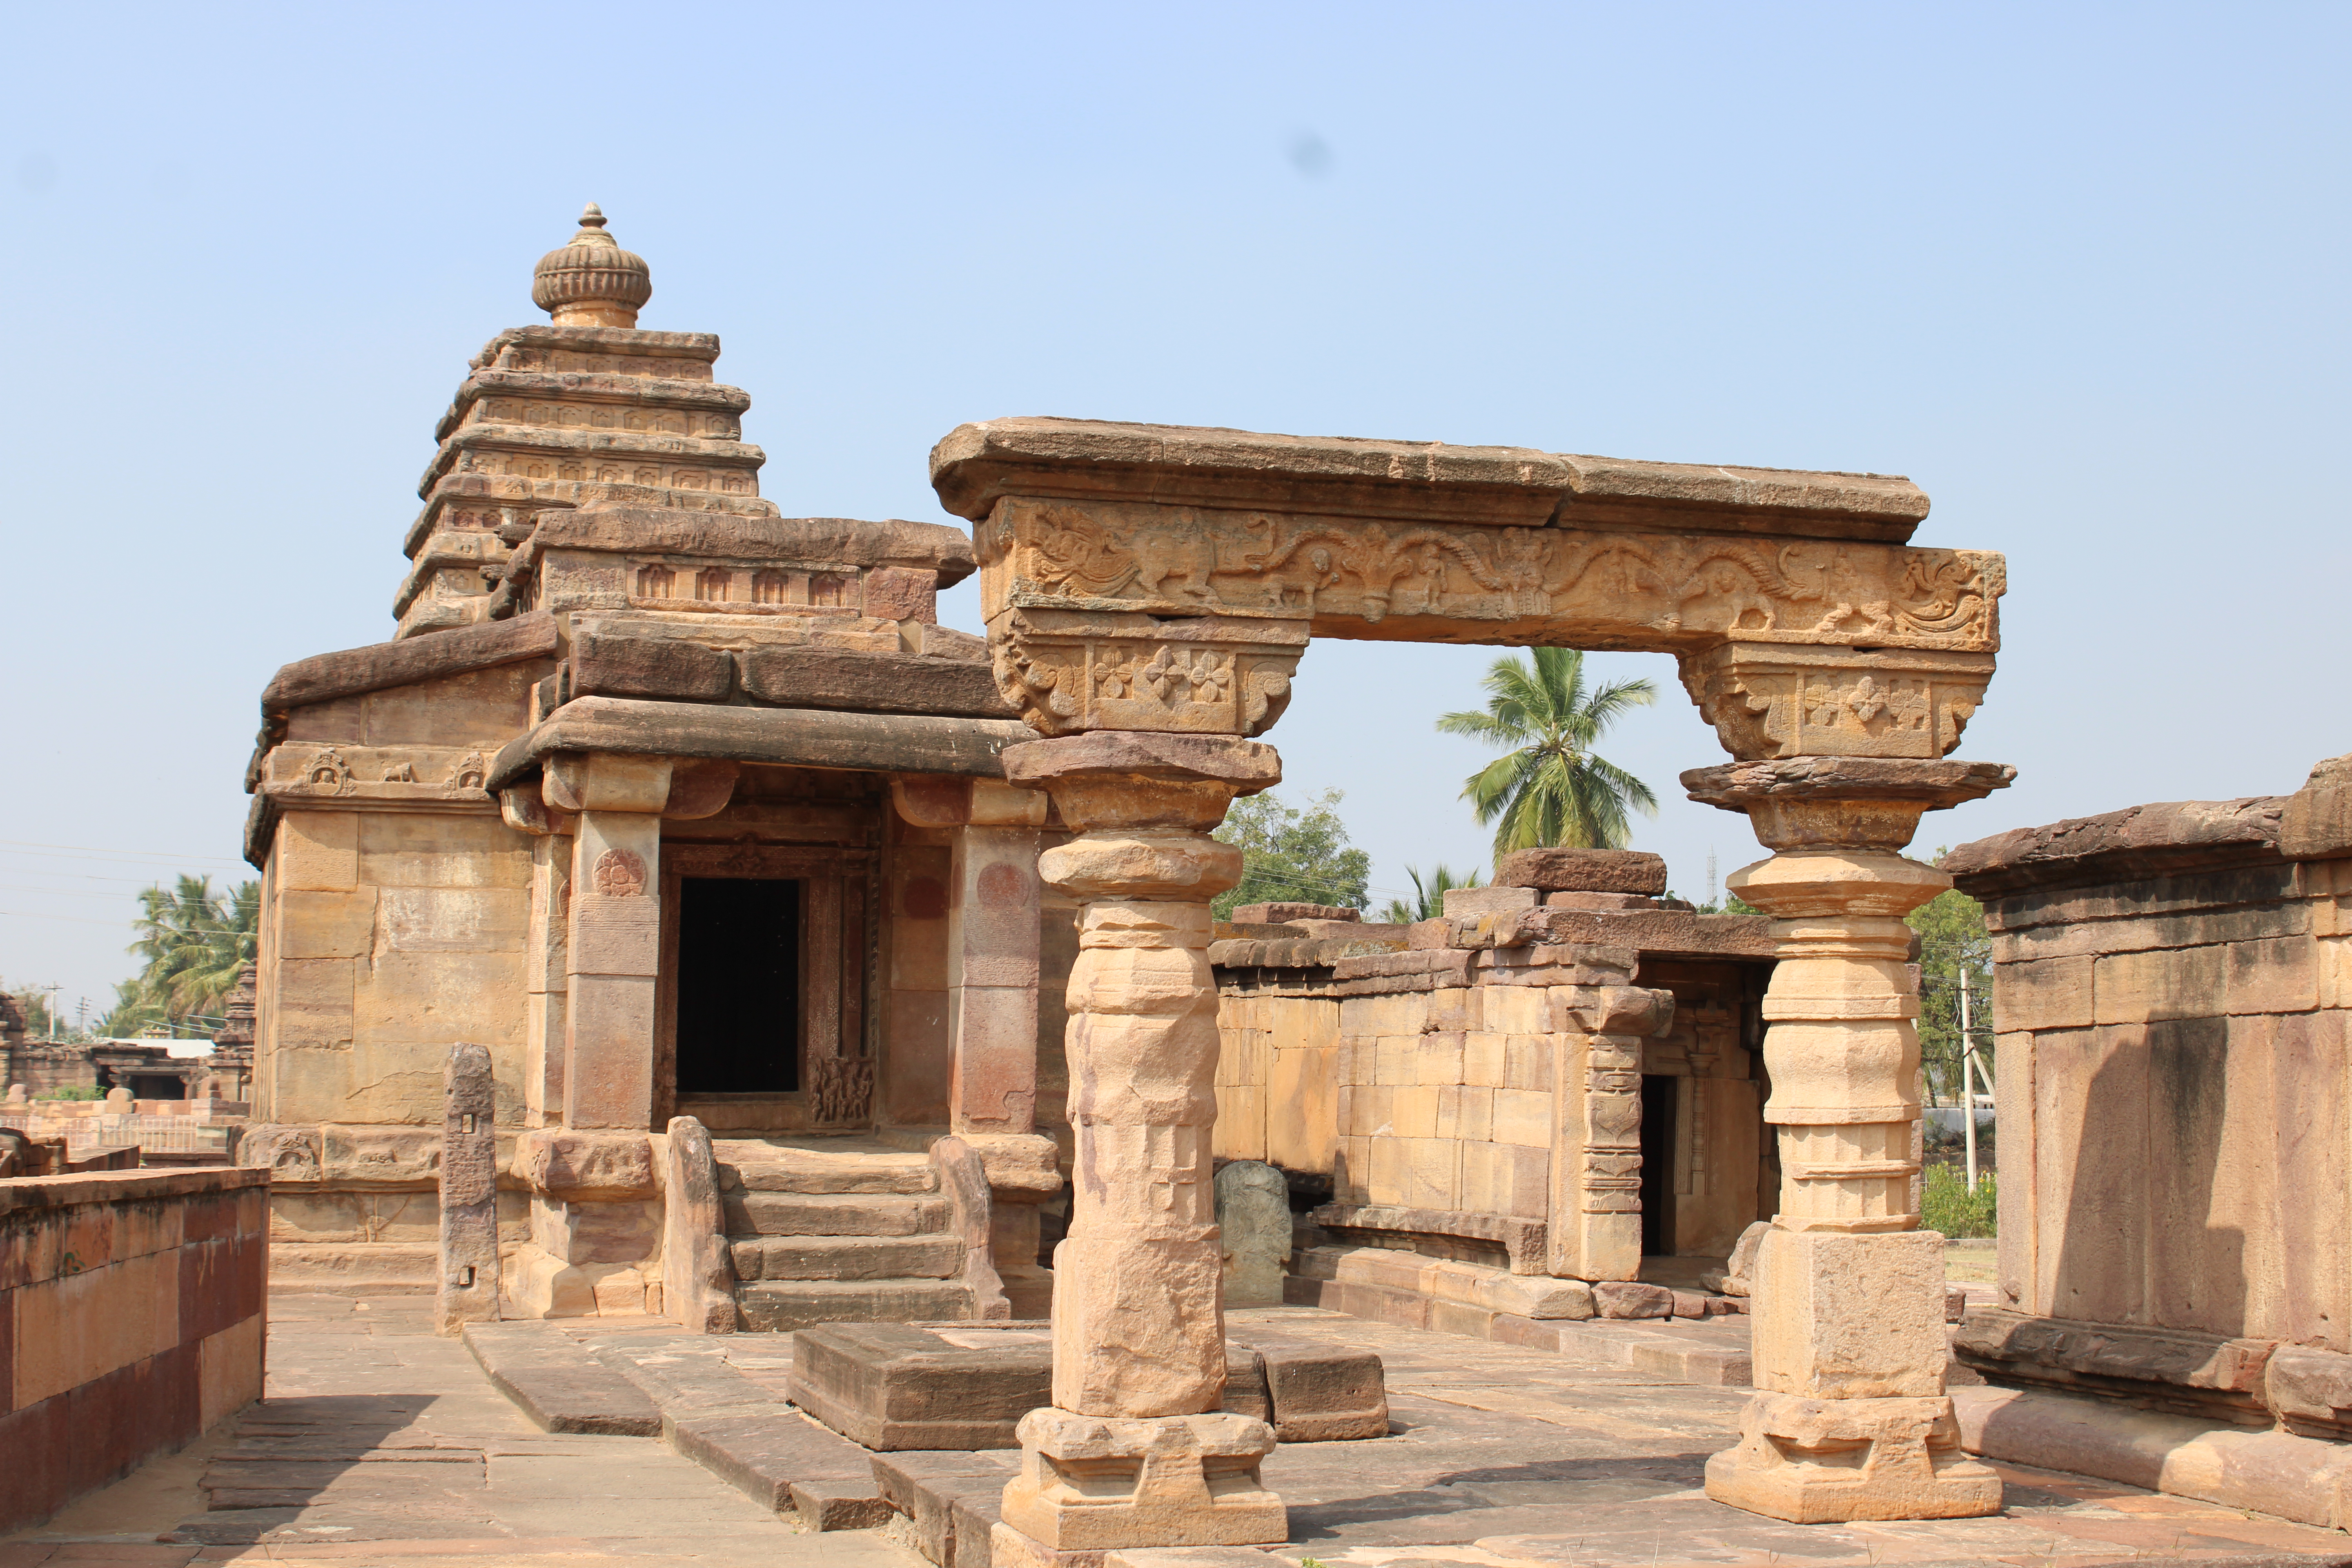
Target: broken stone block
(1469,902)
(1631,1299)
(1582,871)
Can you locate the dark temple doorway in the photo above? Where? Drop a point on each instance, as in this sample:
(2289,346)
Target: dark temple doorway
(1658,1090)
(738,1006)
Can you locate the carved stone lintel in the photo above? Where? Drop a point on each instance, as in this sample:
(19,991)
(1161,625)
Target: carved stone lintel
(1772,700)
(1208,675)
(1668,590)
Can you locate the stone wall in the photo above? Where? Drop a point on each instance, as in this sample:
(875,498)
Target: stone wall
(2173,1008)
(1424,1082)
(132,1315)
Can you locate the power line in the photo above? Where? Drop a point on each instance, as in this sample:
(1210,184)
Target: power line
(135,854)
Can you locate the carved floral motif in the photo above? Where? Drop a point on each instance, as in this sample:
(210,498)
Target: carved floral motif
(1215,675)
(620,874)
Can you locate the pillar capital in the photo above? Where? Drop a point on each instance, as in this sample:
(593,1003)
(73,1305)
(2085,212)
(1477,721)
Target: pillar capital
(683,788)
(1847,803)
(1140,779)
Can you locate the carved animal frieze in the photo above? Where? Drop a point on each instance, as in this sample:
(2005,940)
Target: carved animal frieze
(1592,588)
(359,775)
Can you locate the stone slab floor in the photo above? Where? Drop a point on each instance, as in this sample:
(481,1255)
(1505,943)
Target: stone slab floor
(1498,1458)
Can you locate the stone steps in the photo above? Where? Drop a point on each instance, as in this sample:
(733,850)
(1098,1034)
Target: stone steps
(762,1165)
(863,1257)
(356,1269)
(833,1213)
(773,1306)
(837,1230)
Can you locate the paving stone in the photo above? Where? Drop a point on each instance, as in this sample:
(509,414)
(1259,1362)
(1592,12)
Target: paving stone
(555,1381)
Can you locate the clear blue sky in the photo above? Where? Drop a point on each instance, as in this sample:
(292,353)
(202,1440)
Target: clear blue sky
(2079,271)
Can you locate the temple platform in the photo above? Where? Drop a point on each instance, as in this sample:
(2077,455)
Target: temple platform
(379,1443)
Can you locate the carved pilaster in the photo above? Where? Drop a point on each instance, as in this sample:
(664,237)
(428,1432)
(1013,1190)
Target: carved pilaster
(1596,1170)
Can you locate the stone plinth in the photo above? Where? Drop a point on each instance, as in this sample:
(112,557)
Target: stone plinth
(896,1387)
(1089,1482)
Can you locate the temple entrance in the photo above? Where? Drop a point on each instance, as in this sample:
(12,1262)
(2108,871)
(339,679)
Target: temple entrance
(739,1011)
(1659,1097)
(762,1022)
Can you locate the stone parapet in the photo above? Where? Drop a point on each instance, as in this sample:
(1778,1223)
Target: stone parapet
(132,1320)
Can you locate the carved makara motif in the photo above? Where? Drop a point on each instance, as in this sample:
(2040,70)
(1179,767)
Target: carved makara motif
(1618,589)
(1220,675)
(841,1089)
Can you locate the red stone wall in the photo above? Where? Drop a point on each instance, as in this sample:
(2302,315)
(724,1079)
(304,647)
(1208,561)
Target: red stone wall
(132,1313)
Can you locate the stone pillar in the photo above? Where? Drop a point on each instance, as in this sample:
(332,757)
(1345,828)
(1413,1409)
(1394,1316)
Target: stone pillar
(613,959)
(993,917)
(547,947)
(1849,1420)
(1134,1451)
(468,1291)
(1595,1231)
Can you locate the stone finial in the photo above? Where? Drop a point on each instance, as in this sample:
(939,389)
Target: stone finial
(591,281)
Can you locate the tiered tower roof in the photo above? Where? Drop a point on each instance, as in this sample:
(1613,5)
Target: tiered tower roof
(582,411)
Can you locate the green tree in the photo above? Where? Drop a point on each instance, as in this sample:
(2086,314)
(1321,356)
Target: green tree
(1293,854)
(1428,901)
(194,941)
(1550,788)
(1955,953)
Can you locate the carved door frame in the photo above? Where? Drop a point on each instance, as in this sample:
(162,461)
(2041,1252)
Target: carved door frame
(838,941)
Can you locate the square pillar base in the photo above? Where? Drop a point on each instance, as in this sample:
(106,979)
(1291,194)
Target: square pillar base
(1088,1483)
(1836,1461)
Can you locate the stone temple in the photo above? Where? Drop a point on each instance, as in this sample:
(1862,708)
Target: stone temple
(679,806)
(673,917)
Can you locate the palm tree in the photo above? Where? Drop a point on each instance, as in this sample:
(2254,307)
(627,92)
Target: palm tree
(1550,789)
(194,941)
(1428,901)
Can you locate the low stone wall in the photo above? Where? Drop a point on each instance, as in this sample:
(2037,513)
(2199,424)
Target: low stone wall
(132,1313)
(2172,1007)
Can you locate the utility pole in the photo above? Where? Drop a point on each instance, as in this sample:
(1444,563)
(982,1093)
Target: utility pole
(1967,1079)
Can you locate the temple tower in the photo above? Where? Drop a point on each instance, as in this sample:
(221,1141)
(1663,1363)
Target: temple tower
(584,410)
